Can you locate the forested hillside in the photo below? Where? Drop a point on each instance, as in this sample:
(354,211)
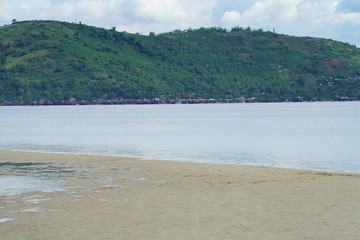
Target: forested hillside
(58,61)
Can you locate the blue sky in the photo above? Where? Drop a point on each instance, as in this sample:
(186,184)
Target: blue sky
(334,19)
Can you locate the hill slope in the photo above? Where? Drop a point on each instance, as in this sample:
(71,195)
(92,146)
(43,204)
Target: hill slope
(57,60)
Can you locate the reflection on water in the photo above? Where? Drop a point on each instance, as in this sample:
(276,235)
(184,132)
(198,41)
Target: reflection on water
(13,185)
(42,170)
(6,220)
(18,178)
(318,136)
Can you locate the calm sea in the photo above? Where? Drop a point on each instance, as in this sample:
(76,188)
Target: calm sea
(315,136)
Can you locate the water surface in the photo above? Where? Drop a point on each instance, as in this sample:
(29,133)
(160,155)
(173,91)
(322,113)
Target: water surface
(316,136)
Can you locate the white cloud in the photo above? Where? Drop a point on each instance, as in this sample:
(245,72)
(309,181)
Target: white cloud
(338,19)
(65,9)
(231,17)
(89,10)
(263,13)
(349,18)
(130,15)
(23,9)
(159,10)
(158,16)
(171,14)
(320,18)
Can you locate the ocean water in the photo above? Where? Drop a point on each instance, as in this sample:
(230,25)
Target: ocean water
(315,136)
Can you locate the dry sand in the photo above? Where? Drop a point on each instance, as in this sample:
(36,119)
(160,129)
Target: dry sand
(123,198)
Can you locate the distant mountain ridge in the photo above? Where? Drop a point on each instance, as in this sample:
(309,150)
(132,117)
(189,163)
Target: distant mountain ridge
(58,61)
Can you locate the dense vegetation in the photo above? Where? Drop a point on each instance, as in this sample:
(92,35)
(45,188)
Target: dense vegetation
(57,60)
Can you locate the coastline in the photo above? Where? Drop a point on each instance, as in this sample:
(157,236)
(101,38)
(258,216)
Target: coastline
(45,102)
(106,197)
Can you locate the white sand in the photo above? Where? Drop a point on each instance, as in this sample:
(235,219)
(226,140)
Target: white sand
(123,198)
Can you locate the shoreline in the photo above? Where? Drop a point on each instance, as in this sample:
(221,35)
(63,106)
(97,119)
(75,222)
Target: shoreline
(179,161)
(108,197)
(164,102)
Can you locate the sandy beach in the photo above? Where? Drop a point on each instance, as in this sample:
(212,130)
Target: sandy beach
(124,198)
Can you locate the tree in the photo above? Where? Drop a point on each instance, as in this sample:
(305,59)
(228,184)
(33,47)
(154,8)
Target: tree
(237,29)
(2,60)
(14,21)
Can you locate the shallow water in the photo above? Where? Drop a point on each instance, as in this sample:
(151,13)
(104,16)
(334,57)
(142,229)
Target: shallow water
(6,220)
(13,185)
(315,136)
(23,177)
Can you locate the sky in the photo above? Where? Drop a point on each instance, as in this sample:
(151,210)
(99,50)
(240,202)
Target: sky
(333,19)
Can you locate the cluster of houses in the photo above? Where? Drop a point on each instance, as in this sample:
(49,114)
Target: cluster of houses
(327,81)
(121,101)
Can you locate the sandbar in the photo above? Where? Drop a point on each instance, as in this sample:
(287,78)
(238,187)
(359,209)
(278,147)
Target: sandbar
(105,197)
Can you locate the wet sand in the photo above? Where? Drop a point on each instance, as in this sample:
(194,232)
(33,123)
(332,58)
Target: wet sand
(125,198)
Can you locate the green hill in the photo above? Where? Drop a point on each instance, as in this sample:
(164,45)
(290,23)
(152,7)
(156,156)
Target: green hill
(58,60)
